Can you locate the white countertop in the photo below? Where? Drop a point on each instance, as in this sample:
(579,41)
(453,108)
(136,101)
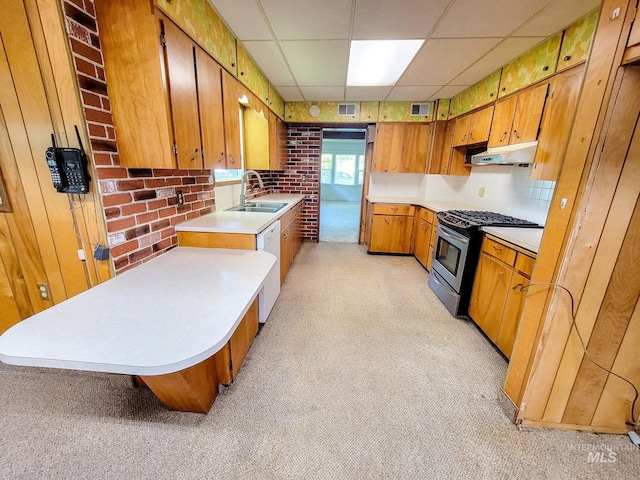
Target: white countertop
(160,317)
(224,221)
(527,238)
(435,205)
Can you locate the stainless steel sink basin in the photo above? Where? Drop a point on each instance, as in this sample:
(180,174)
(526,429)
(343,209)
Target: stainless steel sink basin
(257,207)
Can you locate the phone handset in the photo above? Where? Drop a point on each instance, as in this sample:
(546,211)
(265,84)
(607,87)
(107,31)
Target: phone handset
(68,167)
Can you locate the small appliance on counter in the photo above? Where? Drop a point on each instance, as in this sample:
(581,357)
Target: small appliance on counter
(457,248)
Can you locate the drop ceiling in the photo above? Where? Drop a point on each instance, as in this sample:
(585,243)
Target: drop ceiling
(302,46)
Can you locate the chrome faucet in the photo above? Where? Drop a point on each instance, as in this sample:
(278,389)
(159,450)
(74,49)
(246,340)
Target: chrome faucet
(243,196)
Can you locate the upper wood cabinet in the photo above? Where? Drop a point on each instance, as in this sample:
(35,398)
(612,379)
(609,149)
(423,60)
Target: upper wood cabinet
(401,148)
(415,148)
(181,74)
(164,90)
(231,121)
(473,128)
(557,121)
(387,151)
(443,158)
(277,143)
(135,71)
(517,118)
(255,119)
(211,110)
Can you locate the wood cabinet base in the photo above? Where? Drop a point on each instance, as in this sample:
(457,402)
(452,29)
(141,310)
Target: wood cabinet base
(190,390)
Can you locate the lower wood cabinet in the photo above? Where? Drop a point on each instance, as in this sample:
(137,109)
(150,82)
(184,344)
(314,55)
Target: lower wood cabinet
(290,238)
(229,359)
(423,225)
(390,227)
(497,299)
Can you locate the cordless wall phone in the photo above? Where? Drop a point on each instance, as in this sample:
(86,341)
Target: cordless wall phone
(68,167)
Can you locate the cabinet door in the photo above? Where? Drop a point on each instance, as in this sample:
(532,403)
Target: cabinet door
(285,252)
(387,150)
(423,239)
(557,122)
(490,288)
(432,244)
(511,315)
(415,148)
(256,135)
(282,144)
(480,126)
(231,121)
(209,77)
(526,120)
(461,135)
(391,233)
(502,122)
(181,74)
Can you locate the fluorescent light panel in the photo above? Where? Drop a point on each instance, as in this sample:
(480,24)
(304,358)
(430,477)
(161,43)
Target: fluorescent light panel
(379,62)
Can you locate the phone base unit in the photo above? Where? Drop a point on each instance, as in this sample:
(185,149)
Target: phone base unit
(68,168)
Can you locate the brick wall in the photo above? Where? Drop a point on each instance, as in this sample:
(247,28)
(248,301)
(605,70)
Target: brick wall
(140,205)
(304,144)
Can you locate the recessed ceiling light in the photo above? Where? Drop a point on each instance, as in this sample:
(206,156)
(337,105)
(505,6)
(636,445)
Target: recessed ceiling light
(379,62)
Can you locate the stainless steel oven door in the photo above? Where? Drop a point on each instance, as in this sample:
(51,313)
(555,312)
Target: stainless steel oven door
(450,255)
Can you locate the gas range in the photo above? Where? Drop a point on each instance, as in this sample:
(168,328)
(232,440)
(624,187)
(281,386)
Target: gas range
(465,221)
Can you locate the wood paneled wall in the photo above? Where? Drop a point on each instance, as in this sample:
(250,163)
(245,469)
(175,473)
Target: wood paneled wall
(40,238)
(591,247)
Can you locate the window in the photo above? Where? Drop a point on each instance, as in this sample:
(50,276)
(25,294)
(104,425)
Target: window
(342,162)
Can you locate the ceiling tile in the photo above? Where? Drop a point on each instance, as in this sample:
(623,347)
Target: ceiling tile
(268,56)
(244,18)
(449,91)
(320,62)
(323,94)
(486,18)
(493,60)
(366,94)
(558,15)
(440,60)
(382,19)
(415,93)
(290,94)
(296,20)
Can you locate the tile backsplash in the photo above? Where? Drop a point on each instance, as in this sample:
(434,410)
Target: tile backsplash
(500,188)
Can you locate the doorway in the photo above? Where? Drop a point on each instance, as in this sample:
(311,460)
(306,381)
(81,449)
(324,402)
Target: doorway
(342,168)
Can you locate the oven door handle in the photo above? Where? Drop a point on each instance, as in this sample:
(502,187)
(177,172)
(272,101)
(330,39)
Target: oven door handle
(453,236)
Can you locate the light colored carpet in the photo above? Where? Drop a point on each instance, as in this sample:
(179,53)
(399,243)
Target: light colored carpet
(339,221)
(359,373)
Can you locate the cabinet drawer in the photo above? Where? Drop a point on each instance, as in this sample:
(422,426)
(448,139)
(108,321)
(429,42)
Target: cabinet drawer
(392,209)
(525,263)
(499,251)
(425,214)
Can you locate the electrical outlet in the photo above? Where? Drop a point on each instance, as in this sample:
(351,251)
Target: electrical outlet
(563,203)
(45,294)
(180,198)
(304,178)
(481,192)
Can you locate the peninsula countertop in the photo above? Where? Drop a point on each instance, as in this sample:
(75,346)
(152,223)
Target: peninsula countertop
(163,316)
(225,221)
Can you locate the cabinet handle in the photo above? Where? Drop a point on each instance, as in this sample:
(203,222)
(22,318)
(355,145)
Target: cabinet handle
(497,249)
(394,209)
(464,137)
(221,157)
(503,136)
(567,58)
(470,136)
(195,155)
(515,132)
(231,158)
(386,221)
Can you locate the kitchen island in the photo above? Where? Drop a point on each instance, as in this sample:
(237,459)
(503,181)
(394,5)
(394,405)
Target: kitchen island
(164,321)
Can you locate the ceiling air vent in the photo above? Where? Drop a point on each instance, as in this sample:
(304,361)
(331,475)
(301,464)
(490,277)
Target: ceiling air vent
(420,109)
(346,109)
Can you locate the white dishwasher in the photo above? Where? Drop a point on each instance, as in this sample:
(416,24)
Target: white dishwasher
(269,241)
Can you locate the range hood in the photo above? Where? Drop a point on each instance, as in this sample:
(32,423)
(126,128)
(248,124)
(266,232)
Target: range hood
(516,154)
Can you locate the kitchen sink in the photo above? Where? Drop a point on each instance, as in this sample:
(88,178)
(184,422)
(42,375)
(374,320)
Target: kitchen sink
(258,207)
